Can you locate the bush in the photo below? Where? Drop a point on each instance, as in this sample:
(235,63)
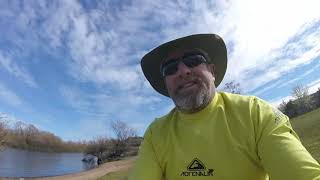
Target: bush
(113,149)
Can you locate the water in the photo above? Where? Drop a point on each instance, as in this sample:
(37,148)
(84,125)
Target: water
(21,163)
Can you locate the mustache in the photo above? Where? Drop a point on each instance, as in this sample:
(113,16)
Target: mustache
(189,79)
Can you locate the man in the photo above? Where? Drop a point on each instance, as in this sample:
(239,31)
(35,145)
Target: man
(209,134)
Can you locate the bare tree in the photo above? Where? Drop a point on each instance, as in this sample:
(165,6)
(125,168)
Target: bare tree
(123,132)
(31,134)
(232,87)
(3,131)
(302,101)
(300,92)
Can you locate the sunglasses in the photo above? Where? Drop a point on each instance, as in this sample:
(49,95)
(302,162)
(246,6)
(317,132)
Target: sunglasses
(170,67)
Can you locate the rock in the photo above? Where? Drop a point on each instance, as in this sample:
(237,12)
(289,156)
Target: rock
(90,159)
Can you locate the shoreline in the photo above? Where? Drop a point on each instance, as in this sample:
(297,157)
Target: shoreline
(93,174)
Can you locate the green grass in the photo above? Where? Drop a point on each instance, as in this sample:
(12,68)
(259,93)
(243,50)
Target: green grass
(307,127)
(119,175)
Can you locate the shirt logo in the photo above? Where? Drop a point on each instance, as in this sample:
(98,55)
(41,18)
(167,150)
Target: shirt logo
(197,168)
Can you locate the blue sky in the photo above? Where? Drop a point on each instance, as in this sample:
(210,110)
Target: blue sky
(70,67)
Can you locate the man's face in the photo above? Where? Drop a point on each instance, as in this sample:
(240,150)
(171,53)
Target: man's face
(191,88)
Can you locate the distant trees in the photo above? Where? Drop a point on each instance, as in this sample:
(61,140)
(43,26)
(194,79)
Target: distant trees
(28,137)
(3,132)
(302,102)
(317,98)
(232,87)
(290,109)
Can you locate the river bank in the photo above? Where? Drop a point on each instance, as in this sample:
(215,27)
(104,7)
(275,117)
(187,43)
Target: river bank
(92,174)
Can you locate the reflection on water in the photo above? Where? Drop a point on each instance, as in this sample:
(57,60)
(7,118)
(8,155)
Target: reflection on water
(20,163)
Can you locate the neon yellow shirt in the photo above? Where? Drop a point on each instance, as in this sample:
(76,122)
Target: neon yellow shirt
(234,137)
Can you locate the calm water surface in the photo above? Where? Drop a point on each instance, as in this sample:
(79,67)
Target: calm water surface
(21,163)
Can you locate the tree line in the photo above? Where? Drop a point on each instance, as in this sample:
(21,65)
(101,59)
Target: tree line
(28,137)
(301,103)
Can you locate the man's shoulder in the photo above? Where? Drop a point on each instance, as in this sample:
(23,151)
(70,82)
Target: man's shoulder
(237,101)
(162,123)
(236,98)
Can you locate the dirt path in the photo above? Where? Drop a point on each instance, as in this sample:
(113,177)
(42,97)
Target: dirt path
(93,173)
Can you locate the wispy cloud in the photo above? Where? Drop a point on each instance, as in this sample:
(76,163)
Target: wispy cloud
(9,96)
(18,71)
(107,42)
(314,86)
(106,105)
(280,83)
(278,100)
(98,109)
(279,63)
(258,34)
(305,74)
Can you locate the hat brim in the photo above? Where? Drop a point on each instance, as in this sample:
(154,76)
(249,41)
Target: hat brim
(212,44)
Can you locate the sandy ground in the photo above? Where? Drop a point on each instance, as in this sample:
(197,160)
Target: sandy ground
(91,174)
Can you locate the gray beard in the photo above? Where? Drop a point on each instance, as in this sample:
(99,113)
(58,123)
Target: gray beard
(193,102)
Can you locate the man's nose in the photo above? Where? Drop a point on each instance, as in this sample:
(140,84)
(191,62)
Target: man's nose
(183,70)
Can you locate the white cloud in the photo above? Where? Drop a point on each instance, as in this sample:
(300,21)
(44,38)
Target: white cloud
(108,56)
(112,37)
(277,101)
(261,28)
(314,86)
(75,98)
(279,63)
(106,105)
(305,74)
(105,42)
(276,84)
(280,83)
(13,68)
(9,96)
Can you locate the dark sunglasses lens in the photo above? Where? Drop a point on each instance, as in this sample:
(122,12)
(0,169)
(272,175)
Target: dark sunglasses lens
(170,68)
(193,61)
